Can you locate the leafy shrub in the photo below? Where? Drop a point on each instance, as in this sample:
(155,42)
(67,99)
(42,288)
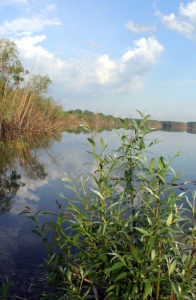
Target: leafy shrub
(128,237)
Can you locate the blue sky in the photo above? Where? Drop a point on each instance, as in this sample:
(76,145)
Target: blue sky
(110,56)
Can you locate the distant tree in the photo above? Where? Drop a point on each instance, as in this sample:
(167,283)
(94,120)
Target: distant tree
(11,68)
(39,83)
(78,112)
(88,115)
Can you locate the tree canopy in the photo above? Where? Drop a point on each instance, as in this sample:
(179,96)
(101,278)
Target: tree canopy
(12,70)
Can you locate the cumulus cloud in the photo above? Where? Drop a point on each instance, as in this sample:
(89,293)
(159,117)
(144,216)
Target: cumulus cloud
(126,73)
(24,26)
(189,10)
(14,1)
(185,22)
(90,74)
(136,28)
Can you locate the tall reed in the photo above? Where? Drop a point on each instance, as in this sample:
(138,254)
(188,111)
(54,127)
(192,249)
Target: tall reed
(25,110)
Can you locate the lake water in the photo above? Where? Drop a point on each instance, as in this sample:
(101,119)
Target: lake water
(34,180)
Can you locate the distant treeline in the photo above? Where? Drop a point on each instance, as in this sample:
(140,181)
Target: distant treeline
(173,126)
(74,118)
(98,121)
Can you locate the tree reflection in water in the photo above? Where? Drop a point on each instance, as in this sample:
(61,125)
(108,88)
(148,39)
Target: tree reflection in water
(9,185)
(18,158)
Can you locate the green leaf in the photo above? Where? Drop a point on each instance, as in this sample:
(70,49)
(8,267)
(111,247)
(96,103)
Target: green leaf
(91,141)
(94,178)
(173,288)
(184,257)
(68,274)
(143,121)
(136,254)
(75,238)
(110,288)
(145,232)
(121,276)
(161,163)
(172,267)
(97,193)
(36,232)
(149,220)
(135,124)
(153,254)
(115,266)
(177,154)
(152,163)
(49,213)
(161,178)
(169,219)
(147,290)
(102,143)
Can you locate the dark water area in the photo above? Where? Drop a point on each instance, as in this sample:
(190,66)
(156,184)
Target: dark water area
(31,173)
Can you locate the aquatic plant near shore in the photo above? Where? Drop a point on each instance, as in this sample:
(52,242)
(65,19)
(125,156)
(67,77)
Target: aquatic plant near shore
(128,237)
(4,289)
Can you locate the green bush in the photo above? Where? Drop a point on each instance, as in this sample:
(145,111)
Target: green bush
(127,237)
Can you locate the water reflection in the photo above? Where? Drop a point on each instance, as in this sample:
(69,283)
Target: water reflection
(9,185)
(18,158)
(30,172)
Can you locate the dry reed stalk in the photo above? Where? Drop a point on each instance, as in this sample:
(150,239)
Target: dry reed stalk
(16,91)
(25,111)
(23,102)
(29,116)
(6,85)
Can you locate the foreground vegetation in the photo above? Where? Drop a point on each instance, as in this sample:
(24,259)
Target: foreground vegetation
(132,235)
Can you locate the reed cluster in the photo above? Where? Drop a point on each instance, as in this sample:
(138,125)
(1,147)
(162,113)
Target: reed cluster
(23,106)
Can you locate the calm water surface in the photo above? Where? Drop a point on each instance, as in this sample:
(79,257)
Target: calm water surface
(39,183)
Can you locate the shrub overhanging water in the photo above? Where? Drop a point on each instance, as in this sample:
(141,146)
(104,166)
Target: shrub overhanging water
(128,237)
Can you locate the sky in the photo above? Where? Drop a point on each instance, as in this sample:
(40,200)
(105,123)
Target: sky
(110,56)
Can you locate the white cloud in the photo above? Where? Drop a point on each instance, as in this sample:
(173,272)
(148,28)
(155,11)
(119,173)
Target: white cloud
(189,10)
(139,28)
(51,7)
(24,26)
(181,26)
(11,2)
(188,82)
(106,69)
(126,73)
(92,75)
(154,4)
(185,22)
(20,1)
(89,75)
